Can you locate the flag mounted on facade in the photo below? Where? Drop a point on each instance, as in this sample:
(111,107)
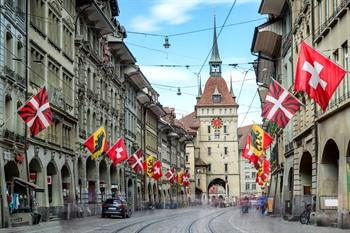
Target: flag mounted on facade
(118,152)
(170,175)
(136,161)
(157,170)
(97,143)
(280,105)
(262,176)
(248,153)
(36,112)
(186,179)
(317,75)
(260,140)
(179,178)
(148,165)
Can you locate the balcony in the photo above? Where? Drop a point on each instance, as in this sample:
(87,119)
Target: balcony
(9,72)
(10,4)
(20,14)
(9,135)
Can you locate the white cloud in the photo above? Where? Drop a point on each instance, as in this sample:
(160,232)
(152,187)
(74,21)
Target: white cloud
(173,12)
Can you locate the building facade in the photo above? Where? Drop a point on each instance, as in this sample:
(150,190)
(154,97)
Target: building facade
(216,114)
(310,155)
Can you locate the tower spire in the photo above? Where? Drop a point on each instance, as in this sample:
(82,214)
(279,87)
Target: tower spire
(231,89)
(199,88)
(215,61)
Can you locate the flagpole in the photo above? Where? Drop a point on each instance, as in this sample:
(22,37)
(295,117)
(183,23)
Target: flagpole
(288,91)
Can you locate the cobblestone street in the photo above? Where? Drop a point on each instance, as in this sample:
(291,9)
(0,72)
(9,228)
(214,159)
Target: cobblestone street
(187,220)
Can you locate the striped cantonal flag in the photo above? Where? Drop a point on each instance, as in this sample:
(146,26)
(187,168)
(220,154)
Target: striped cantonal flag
(37,113)
(280,105)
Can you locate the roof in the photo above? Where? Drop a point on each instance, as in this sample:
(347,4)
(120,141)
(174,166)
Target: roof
(219,83)
(190,122)
(199,162)
(242,135)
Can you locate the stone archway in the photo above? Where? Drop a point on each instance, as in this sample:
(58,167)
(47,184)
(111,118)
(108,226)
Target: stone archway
(155,194)
(131,193)
(149,189)
(329,170)
(53,185)
(66,184)
(103,174)
(305,171)
(11,171)
(216,188)
(91,174)
(36,175)
(80,179)
(113,172)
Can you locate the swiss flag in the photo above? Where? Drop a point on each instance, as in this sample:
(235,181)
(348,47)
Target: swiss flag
(118,152)
(136,161)
(248,153)
(157,170)
(317,75)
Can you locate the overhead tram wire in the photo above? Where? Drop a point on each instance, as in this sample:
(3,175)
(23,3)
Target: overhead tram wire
(250,105)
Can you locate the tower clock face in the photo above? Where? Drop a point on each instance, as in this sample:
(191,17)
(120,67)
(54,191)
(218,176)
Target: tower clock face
(216,123)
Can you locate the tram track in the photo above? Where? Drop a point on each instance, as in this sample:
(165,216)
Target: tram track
(189,228)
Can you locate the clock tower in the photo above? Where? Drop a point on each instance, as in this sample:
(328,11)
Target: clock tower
(214,149)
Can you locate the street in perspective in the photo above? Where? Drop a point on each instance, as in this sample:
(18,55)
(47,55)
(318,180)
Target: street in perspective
(175,116)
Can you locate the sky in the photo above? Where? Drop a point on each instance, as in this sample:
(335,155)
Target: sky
(147,22)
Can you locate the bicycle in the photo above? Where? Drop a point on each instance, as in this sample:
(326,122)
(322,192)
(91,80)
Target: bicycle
(305,215)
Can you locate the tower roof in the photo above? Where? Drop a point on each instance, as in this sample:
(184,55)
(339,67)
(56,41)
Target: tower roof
(215,56)
(213,86)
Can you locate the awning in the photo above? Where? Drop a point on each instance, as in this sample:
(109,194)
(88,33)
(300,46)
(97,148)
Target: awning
(136,77)
(272,7)
(142,98)
(94,14)
(268,43)
(157,109)
(24,183)
(264,70)
(120,49)
(267,39)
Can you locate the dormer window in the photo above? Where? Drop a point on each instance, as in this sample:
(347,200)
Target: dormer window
(216,99)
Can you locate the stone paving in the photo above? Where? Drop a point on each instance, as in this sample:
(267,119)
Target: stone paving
(186,220)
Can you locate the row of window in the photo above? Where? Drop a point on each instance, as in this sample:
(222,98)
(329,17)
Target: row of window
(60,35)
(217,130)
(225,167)
(225,151)
(14,53)
(249,175)
(219,111)
(58,78)
(250,186)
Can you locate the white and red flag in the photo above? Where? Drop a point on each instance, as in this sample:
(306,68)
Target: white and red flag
(248,153)
(37,113)
(118,152)
(136,161)
(157,170)
(170,175)
(280,105)
(186,179)
(317,75)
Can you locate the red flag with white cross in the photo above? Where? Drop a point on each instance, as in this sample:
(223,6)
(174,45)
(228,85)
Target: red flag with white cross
(157,170)
(280,105)
(317,75)
(37,113)
(118,152)
(136,161)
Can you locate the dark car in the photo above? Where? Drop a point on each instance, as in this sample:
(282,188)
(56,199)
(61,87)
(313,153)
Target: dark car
(115,206)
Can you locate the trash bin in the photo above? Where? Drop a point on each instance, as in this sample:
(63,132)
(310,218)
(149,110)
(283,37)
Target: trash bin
(36,218)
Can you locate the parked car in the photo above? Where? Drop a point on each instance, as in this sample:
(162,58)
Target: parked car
(116,207)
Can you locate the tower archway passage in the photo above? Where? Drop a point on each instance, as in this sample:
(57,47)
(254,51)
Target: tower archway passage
(217,189)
